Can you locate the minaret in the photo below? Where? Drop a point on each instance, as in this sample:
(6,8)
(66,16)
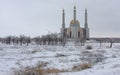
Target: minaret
(74,15)
(63,19)
(86,26)
(63,24)
(74,28)
(63,28)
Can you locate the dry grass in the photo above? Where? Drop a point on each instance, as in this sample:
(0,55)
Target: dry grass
(81,67)
(38,70)
(85,66)
(48,71)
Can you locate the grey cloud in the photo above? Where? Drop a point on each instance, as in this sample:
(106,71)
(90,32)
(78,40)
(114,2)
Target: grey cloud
(37,17)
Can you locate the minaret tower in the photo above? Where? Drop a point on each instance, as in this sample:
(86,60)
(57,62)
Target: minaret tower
(74,15)
(86,26)
(63,19)
(63,31)
(63,25)
(74,27)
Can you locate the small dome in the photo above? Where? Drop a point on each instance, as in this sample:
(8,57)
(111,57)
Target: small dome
(74,22)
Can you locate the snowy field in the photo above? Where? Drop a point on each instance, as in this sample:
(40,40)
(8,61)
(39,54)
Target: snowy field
(105,60)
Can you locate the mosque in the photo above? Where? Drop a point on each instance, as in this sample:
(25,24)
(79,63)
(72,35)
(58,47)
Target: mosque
(74,31)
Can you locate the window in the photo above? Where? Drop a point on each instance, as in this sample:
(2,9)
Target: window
(70,34)
(78,34)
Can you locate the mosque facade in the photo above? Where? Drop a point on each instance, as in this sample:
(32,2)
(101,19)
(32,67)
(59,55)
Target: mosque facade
(75,31)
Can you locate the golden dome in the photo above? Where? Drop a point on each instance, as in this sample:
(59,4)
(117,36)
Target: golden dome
(73,22)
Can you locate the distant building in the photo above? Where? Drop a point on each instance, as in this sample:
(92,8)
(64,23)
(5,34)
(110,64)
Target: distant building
(74,31)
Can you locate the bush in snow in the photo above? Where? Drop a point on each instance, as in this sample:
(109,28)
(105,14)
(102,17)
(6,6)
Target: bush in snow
(88,47)
(60,55)
(42,64)
(92,57)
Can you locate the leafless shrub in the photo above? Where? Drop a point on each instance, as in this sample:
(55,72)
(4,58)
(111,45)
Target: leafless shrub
(42,64)
(34,51)
(116,66)
(29,52)
(60,55)
(113,56)
(88,47)
(76,68)
(92,57)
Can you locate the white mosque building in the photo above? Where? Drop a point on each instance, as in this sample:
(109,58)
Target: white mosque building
(74,31)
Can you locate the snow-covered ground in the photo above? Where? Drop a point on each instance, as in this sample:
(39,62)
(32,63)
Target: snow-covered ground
(109,66)
(17,57)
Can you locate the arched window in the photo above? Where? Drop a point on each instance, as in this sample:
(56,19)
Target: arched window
(78,34)
(70,34)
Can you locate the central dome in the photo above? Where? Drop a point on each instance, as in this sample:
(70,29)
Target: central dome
(74,22)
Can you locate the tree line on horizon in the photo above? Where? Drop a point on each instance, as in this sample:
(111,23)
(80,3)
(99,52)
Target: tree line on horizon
(49,39)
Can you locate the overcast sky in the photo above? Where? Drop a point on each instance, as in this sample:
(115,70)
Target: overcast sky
(38,17)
